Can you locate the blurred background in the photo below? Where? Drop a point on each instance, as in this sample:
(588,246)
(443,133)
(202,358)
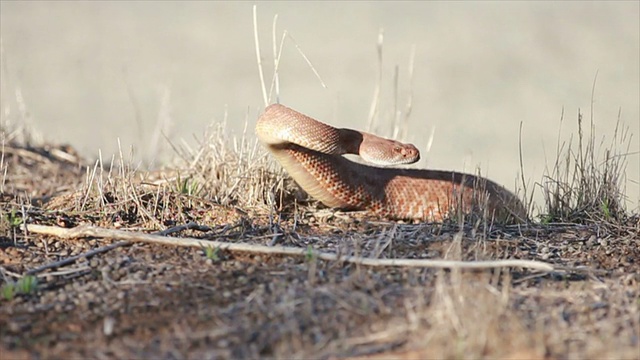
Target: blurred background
(92,73)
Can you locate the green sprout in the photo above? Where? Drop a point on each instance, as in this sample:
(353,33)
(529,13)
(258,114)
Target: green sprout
(188,186)
(309,255)
(14,219)
(8,291)
(211,252)
(26,285)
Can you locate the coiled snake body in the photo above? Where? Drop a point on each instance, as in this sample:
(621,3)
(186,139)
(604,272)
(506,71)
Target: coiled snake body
(311,152)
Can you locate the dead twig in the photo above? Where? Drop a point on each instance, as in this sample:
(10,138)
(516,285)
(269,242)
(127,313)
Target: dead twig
(96,232)
(71,259)
(188,226)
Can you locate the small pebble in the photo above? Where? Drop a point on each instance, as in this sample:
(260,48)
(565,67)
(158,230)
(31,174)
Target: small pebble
(108,325)
(223,343)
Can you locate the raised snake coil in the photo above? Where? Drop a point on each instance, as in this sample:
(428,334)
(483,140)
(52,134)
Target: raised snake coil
(311,152)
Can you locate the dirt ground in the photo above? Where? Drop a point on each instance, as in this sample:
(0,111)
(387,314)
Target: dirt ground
(154,301)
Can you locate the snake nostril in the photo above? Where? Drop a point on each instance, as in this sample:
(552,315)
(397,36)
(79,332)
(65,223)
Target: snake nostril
(407,152)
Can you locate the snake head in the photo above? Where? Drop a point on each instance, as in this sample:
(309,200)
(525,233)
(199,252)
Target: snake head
(406,153)
(386,152)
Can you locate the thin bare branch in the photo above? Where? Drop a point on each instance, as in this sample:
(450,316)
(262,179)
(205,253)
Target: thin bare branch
(96,232)
(72,259)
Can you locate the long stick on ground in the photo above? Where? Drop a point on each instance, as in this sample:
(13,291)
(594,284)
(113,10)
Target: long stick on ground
(96,232)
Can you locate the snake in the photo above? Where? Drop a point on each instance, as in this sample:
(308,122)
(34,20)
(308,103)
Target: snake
(312,153)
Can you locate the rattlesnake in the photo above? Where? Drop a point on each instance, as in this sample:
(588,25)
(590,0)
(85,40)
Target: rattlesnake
(310,151)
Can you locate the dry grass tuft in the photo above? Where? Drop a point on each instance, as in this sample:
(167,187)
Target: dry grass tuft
(234,171)
(585,185)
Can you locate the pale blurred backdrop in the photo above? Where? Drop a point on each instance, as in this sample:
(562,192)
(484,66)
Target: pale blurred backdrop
(90,73)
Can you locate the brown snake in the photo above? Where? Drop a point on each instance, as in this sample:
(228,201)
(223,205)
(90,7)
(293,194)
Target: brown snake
(311,152)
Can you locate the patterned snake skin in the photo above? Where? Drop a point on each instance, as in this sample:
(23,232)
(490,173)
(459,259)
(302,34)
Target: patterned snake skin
(311,152)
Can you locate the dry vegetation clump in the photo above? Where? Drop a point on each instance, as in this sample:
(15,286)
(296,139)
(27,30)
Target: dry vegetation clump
(48,166)
(585,185)
(237,172)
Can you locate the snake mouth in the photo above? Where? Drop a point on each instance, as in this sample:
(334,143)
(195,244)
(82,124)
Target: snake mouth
(411,157)
(386,163)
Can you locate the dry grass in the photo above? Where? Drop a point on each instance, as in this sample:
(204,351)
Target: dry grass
(585,183)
